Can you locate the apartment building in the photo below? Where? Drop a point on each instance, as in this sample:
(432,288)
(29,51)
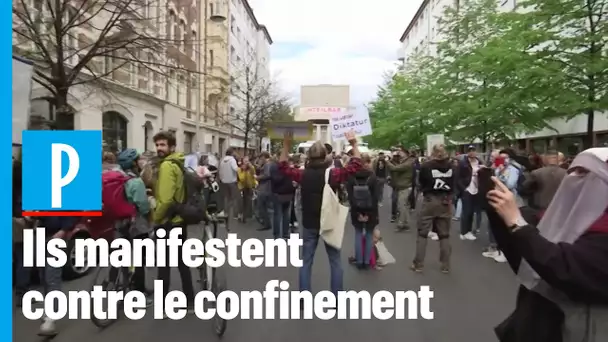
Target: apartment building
(249,59)
(134,91)
(215,90)
(318,103)
(422,34)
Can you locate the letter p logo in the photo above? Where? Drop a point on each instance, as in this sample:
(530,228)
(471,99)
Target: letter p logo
(62,173)
(58,180)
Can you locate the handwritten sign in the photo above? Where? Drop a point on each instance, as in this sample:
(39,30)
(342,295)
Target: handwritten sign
(301,130)
(345,122)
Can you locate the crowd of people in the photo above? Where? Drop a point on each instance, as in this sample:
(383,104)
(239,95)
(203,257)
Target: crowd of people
(546,217)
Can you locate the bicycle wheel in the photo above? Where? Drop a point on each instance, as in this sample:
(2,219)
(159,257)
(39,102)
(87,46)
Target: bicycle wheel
(103,277)
(218,285)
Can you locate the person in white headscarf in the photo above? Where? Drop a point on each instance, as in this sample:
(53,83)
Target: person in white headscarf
(562,263)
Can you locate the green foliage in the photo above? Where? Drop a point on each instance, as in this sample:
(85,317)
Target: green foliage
(494,74)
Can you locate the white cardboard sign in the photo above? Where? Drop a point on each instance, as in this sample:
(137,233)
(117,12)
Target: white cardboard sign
(343,122)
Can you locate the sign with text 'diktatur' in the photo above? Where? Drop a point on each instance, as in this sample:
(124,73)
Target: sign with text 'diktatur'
(61,173)
(345,122)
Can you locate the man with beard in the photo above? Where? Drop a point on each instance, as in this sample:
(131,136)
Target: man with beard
(169,191)
(436,179)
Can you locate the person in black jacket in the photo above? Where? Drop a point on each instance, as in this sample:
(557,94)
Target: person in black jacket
(436,180)
(283,192)
(364,220)
(561,259)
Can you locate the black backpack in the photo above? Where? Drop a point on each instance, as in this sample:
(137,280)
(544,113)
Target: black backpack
(362,196)
(192,209)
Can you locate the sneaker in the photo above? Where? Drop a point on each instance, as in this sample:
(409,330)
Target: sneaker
(491,253)
(393,220)
(47,328)
(500,257)
(468,236)
(433,236)
(402,229)
(455,218)
(221,214)
(416,267)
(445,269)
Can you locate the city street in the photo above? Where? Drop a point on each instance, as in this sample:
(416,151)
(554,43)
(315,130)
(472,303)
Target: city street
(468,302)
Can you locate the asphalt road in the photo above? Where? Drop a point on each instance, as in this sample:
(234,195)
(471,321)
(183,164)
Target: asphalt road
(468,302)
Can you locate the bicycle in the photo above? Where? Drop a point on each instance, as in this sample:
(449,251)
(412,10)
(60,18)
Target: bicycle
(117,279)
(212,278)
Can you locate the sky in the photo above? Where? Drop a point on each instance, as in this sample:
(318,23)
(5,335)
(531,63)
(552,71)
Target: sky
(350,42)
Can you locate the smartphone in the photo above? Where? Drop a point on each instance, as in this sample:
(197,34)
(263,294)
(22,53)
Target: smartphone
(484,178)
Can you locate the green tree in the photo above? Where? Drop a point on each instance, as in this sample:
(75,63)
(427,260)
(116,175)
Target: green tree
(404,111)
(568,40)
(480,78)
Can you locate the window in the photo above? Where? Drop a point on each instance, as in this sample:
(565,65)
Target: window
(238,34)
(172,87)
(193,98)
(42,111)
(114,131)
(232,23)
(194,46)
(182,86)
(182,35)
(171,25)
(211,58)
(188,140)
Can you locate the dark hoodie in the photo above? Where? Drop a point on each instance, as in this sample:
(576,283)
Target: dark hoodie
(437,177)
(359,178)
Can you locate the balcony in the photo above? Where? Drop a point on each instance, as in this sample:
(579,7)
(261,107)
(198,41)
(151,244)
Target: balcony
(217,32)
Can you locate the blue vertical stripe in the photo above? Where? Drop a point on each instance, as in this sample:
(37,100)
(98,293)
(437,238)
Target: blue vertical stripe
(6,145)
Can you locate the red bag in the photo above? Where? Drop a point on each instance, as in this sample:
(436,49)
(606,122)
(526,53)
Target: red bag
(113,196)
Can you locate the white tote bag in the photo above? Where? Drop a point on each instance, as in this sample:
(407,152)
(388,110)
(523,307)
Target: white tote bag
(333,216)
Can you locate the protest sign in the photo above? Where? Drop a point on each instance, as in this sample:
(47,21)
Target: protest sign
(342,122)
(301,130)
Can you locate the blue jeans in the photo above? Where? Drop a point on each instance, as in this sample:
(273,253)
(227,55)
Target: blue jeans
(281,217)
(363,254)
(265,206)
(311,240)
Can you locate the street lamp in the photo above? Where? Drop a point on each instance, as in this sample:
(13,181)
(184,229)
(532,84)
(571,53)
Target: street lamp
(216,16)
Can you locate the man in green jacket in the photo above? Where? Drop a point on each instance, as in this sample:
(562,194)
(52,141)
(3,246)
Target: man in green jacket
(401,180)
(169,190)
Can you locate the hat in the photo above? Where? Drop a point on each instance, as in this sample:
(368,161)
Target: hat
(471,147)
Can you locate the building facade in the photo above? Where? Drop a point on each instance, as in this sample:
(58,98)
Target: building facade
(129,94)
(249,68)
(318,103)
(215,89)
(422,34)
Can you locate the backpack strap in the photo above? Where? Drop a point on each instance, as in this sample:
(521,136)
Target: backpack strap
(327,175)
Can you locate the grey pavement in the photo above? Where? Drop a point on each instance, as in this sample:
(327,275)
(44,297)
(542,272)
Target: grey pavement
(468,303)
